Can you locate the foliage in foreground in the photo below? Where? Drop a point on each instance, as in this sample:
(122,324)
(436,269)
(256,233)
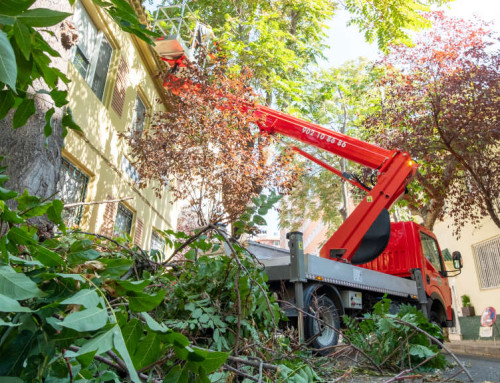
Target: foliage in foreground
(77,307)
(391,343)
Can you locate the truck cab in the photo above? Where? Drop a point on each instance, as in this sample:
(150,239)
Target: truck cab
(412,246)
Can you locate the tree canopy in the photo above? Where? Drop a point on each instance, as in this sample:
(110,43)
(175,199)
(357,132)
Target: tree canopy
(441,104)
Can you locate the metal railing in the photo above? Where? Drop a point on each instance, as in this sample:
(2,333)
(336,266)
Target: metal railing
(179,24)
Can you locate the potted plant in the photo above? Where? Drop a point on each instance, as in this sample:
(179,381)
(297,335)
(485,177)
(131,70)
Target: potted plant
(467,308)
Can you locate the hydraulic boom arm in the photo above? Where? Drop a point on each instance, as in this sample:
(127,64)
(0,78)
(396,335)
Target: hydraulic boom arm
(365,233)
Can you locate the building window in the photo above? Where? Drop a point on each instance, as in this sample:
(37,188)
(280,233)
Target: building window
(487,256)
(123,221)
(139,115)
(431,251)
(130,170)
(92,54)
(72,187)
(157,242)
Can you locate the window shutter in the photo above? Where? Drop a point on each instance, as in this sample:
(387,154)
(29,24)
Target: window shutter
(139,228)
(120,87)
(107,227)
(488,262)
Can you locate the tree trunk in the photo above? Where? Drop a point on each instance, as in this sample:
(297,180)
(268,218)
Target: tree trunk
(32,161)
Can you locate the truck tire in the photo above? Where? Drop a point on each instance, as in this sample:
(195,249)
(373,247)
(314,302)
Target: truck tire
(325,331)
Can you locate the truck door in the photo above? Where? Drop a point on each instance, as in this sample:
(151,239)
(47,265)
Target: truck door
(436,283)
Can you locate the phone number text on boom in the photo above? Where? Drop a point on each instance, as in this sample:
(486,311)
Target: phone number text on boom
(323,136)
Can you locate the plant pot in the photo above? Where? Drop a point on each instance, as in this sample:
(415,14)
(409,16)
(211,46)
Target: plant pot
(468,311)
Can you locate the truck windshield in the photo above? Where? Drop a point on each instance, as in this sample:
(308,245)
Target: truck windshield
(431,251)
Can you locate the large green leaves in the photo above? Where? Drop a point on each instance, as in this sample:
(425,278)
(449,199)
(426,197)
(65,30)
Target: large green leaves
(17,285)
(91,319)
(42,17)
(86,297)
(8,67)
(8,304)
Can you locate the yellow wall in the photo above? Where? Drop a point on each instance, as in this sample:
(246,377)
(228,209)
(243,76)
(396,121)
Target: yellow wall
(468,281)
(98,152)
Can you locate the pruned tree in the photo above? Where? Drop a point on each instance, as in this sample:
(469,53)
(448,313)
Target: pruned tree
(339,98)
(209,143)
(441,104)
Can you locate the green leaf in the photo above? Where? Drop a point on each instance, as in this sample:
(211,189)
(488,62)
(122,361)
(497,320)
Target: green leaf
(14,7)
(20,237)
(137,286)
(86,320)
(42,17)
(9,215)
(115,268)
(9,305)
(83,256)
(153,324)
(121,347)
(6,194)
(14,355)
(17,285)
(421,351)
(132,333)
(7,324)
(47,129)
(59,97)
(139,302)
(6,20)
(23,113)
(177,374)
(79,245)
(23,38)
(212,360)
(47,257)
(147,351)
(76,277)
(100,344)
(54,213)
(8,66)
(67,121)
(87,298)
(6,102)
(258,220)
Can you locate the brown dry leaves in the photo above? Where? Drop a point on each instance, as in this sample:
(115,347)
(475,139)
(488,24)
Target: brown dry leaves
(209,143)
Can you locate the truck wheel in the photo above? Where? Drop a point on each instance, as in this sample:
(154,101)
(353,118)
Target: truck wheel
(323,325)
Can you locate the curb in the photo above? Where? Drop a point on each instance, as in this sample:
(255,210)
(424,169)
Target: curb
(475,348)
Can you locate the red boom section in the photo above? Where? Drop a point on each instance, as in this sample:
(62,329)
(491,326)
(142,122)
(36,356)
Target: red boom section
(337,143)
(395,171)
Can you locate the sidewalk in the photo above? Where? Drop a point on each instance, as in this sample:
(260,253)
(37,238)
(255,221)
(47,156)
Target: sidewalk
(488,348)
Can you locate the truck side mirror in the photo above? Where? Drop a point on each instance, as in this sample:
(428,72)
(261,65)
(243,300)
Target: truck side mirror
(457,260)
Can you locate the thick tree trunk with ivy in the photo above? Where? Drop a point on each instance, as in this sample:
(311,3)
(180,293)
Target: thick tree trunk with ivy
(33,161)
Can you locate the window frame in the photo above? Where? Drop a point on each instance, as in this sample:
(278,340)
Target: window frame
(78,211)
(154,232)
(142,98)
(122,207)
(93,58)
(438,251)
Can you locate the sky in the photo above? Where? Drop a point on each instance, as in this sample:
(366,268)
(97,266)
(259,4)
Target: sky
(346,44)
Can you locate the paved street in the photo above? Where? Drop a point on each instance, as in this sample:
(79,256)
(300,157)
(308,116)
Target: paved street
(482,369)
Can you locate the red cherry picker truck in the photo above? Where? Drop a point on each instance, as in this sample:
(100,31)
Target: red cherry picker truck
(368,256)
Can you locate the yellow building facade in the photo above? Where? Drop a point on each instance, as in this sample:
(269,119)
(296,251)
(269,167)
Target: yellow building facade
(114,87)
(480,276)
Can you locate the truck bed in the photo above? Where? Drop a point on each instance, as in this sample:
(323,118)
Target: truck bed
(278,267)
